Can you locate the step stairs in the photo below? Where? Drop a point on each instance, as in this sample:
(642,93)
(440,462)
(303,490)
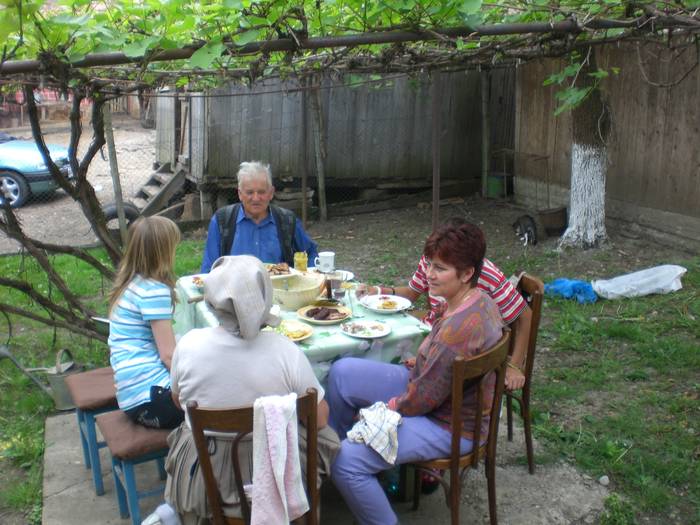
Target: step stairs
(153,196)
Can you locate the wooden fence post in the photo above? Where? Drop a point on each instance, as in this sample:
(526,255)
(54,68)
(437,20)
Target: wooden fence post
(305,146)
(114,171)
(319,149)
(435,107)
(486,132)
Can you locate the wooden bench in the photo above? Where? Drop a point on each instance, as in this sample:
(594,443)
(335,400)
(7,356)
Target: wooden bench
(131,444)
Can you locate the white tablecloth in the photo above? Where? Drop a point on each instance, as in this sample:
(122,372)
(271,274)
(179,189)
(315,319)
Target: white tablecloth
(328,343)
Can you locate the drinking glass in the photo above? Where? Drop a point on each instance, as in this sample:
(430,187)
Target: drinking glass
(339,294)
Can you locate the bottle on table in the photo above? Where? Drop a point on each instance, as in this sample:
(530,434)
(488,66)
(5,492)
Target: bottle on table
(301,260)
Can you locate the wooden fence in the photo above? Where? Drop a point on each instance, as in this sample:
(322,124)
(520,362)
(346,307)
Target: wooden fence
(653,156)
(378,134)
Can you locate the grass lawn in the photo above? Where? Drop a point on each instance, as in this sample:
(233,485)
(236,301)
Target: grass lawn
(617,388)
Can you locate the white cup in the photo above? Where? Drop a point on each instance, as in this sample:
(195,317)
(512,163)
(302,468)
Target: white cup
(325,262)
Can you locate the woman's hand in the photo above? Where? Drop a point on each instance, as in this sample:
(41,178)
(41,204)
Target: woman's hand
(410,362)
(515,379)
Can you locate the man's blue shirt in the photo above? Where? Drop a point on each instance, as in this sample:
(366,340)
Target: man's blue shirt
(260,240)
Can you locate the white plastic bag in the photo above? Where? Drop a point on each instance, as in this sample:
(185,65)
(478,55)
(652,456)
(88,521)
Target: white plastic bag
(164,515)
(659,279)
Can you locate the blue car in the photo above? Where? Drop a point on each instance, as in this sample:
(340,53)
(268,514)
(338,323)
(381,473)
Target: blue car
(23,172)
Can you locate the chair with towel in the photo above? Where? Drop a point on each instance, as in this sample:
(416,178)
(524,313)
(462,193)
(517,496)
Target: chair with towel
(474,370)
(131,444)
(532,290)
(93,393)
(239,421)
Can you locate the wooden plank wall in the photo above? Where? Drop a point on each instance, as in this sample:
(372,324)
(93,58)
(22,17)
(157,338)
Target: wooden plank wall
(654,159)
(375,132)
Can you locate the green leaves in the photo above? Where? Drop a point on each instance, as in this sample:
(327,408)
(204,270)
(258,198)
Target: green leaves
(470,7)
(205,56)
(71,29)
(571,97)
(247,37)
(138,48)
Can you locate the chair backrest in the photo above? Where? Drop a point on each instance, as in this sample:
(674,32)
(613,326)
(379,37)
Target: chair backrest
(239,421)
(532,289)
(476,370)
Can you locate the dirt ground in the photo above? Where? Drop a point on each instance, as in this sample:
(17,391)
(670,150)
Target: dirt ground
(394,240)
(57,218)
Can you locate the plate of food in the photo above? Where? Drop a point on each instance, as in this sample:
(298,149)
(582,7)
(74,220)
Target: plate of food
(365,329)
(341,275)
(294,330)
(279,270)
(324,314)
(385,304)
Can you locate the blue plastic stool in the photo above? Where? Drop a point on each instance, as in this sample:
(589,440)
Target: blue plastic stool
(131,444)
(93,393)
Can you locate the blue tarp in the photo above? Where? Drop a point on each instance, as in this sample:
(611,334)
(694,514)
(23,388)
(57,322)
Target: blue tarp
(582,291)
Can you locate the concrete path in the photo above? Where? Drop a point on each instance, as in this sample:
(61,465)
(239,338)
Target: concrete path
(556,494)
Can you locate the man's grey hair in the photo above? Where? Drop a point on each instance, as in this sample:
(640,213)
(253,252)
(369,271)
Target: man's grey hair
(252,169)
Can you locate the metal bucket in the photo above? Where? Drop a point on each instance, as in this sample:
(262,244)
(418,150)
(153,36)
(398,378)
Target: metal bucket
(57,380)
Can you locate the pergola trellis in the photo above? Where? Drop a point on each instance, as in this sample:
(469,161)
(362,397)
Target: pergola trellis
(395,51)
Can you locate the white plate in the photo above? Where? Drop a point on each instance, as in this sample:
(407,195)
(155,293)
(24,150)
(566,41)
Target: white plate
(343,275)
(379,303)
(342,309)
(295,330)
(365,329)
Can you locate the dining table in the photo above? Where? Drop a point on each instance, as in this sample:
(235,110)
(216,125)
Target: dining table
(328,342)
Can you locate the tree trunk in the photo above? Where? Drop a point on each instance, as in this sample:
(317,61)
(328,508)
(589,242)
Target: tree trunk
(589,164)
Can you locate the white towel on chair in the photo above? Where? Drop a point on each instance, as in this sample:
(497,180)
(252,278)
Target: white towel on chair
(378,429)
(278,492)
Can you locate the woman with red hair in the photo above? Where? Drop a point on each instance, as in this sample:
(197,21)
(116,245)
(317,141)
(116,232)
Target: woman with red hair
(468,324)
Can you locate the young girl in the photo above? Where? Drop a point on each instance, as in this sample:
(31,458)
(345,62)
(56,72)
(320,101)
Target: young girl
(141,338)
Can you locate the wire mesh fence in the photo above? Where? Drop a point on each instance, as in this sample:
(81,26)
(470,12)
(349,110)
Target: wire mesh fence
(46,212)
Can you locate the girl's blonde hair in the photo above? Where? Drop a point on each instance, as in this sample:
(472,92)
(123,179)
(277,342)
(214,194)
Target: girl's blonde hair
(150,253)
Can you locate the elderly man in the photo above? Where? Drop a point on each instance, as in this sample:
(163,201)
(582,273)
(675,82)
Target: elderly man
(254,226)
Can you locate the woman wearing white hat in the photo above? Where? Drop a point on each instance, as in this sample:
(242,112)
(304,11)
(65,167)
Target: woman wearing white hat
(232,365)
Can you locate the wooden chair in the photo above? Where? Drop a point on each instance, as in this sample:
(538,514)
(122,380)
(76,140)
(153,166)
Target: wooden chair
(533,290)
(240,421)
(474,370)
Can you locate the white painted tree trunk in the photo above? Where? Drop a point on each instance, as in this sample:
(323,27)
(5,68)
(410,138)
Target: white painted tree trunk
(587,197)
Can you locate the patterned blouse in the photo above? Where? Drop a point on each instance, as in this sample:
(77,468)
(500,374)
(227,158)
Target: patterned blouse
(491,280)
(473,328)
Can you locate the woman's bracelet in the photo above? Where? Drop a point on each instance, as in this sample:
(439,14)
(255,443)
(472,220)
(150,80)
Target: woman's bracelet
(380,290)
(515,366)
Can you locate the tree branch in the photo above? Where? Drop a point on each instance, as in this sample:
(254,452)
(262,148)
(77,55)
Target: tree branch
(78,254)
(82,191)
(89,331)
(31,292)
(11,227)
(680,79)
